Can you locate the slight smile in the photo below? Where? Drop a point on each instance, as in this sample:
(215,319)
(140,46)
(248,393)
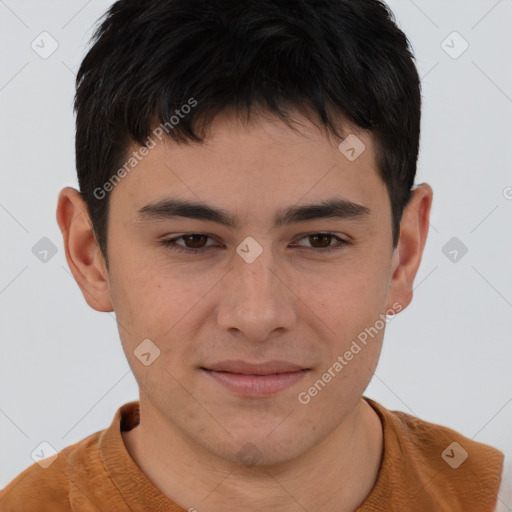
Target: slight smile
(255,379)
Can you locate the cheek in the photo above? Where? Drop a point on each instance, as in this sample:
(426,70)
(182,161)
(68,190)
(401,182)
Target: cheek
(140,295)
(160,303)
(351,293)
(351,301)
(354,310)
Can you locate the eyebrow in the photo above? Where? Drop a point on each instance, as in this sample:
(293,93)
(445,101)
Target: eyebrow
(331,208)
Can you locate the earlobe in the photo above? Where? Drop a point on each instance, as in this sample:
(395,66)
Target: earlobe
(413,236)
(82,251)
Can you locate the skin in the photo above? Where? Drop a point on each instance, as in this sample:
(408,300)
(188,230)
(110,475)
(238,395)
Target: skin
(291,303)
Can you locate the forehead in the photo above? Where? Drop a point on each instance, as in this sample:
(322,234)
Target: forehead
(248,165)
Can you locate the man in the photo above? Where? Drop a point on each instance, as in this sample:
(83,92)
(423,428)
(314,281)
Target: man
(247,208)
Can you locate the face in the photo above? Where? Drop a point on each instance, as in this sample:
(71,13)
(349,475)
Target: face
(254,291)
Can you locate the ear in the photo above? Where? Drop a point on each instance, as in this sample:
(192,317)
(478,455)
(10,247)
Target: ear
(82,250)
(413,236)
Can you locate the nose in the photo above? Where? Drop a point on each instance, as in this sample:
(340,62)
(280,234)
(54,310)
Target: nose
(257,299)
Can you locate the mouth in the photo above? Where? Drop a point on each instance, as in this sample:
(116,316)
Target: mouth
(255,379)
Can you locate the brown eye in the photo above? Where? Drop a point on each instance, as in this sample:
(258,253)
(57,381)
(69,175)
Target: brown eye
(322,242)
(194,243)
(322,238)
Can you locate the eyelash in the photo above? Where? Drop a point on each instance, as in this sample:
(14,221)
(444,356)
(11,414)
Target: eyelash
(171,244)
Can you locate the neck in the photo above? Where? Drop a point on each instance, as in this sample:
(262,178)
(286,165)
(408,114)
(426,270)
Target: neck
(335,476)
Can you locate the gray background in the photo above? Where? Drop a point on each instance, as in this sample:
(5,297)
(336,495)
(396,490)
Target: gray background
(446,358)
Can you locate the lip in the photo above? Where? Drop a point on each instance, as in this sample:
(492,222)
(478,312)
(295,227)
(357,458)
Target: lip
(246,368)
(255,379)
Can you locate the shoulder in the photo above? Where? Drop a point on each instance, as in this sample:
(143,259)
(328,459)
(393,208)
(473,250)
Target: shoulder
(46,485)
(450,451)
(438,464)
(504,503)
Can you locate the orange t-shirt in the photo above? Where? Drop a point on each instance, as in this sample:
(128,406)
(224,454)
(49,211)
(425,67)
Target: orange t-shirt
(421,470)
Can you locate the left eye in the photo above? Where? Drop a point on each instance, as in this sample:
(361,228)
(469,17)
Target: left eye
(197,239)
(328,237)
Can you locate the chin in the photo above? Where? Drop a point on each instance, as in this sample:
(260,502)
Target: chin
(259,450)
